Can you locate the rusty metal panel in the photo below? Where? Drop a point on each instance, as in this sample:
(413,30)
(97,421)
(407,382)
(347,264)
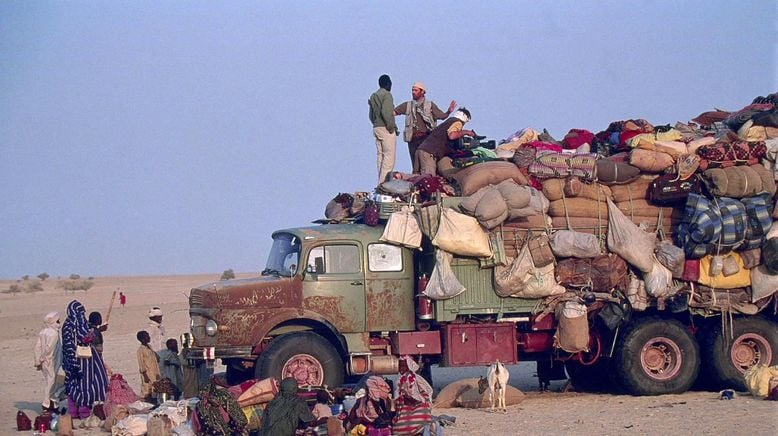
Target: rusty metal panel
(415,343)
(479,298)
(475,344)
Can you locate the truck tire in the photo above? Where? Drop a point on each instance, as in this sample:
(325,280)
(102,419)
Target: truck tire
(755,342)
(656,356)
(306,356)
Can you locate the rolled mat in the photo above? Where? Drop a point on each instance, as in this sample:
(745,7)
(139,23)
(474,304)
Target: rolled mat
(553,190)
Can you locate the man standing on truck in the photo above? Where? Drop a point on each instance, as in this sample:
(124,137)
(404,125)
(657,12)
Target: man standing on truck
(384,128)
(421,116)
(440,141)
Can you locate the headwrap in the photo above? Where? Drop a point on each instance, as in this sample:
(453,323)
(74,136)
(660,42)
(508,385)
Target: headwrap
(420,85)
(461,116)
(368,406)
(51,319)
(285,411)
(74,332)
(155,311)
(412,387)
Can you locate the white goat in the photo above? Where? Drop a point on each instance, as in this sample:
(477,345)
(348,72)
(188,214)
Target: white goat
(496,381)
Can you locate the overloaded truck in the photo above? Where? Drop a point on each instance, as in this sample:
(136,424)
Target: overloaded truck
(336,302)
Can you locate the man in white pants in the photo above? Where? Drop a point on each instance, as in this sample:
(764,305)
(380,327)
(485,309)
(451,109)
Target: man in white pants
(384,127)
(48,357)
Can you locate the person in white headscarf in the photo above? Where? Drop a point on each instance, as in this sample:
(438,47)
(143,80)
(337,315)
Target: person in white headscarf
(48,357)
(156,329)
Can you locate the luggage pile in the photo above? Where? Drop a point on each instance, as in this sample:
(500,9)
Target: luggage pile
(667,211)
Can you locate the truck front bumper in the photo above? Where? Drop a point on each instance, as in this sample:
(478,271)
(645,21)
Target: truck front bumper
(222,352)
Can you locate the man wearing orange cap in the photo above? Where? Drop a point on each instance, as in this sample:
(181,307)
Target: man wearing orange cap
(421,117)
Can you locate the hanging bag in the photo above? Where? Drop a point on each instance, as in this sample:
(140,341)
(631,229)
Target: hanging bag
(83,351)
(402,229)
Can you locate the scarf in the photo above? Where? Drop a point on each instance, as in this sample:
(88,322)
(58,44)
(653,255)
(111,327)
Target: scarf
(218,412)
(417,108)
(75,330)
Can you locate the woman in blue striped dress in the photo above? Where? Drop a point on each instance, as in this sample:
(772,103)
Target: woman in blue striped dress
(86,380)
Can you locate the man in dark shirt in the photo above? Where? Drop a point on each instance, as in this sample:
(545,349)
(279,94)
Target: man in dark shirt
(439,142)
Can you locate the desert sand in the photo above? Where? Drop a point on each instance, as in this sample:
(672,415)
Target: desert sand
(21,316)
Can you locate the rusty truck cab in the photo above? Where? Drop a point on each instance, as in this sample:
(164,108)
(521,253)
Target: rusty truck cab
(324,290)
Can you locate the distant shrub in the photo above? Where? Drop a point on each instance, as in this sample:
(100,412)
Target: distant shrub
(43,276)
(74,277)
(32,286)
(13,289)
(75,285)
(26,277)
(228,274)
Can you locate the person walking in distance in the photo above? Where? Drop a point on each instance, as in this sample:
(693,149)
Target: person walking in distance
(384,127)
(421,117)
(122,299)
(48,357)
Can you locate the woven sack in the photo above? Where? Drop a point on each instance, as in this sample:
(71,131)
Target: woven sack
(572,333)
(602,273)
(555,189)
(461,234)
(650,161)
(610,172)
(569,243)
(475,177)
(402,229)
(578,207)
(636,189)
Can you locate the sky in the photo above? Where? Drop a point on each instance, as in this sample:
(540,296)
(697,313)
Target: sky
(168,137)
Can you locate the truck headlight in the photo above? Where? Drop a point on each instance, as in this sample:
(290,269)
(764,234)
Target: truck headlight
(211,328)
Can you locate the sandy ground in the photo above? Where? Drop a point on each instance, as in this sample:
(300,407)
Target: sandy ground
(21,318)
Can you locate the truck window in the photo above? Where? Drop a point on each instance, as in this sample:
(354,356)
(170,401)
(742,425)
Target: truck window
(284,255)
(334,259)
(384,257)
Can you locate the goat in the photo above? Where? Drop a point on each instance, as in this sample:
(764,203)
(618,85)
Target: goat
(496,381)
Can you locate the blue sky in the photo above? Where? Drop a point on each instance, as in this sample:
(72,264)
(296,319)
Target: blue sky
(174,137)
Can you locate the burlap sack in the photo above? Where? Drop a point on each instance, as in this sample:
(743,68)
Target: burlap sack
(634,190)
(650,161)
(569,243)
(610,172)
(490,206)
(553,190)
(475,177)
(572,333)
(516,196)
(642,207)
(469,204)
(577,207)
(763,283)
(461,234)
(464,393)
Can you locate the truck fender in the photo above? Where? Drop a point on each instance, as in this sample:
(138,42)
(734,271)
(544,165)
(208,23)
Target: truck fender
(305,319)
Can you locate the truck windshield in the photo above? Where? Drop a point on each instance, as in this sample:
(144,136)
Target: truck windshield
(284,256)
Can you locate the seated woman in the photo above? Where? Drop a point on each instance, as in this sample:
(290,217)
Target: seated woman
(374,411)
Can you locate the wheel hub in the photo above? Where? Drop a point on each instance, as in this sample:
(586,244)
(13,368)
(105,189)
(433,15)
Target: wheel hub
(305,369)
(661,358)
(750,349)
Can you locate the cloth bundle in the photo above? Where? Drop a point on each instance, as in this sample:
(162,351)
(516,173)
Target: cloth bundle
(739,181)
(728,154)
(549,164)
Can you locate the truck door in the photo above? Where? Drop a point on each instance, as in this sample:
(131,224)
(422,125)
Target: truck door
(334,285)
(390,288)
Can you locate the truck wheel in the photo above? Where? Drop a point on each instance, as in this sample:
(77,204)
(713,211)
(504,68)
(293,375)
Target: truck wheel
(306,356)
(755,342)
(655,357)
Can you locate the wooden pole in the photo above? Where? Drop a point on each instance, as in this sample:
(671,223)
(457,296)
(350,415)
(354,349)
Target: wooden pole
(110,307)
